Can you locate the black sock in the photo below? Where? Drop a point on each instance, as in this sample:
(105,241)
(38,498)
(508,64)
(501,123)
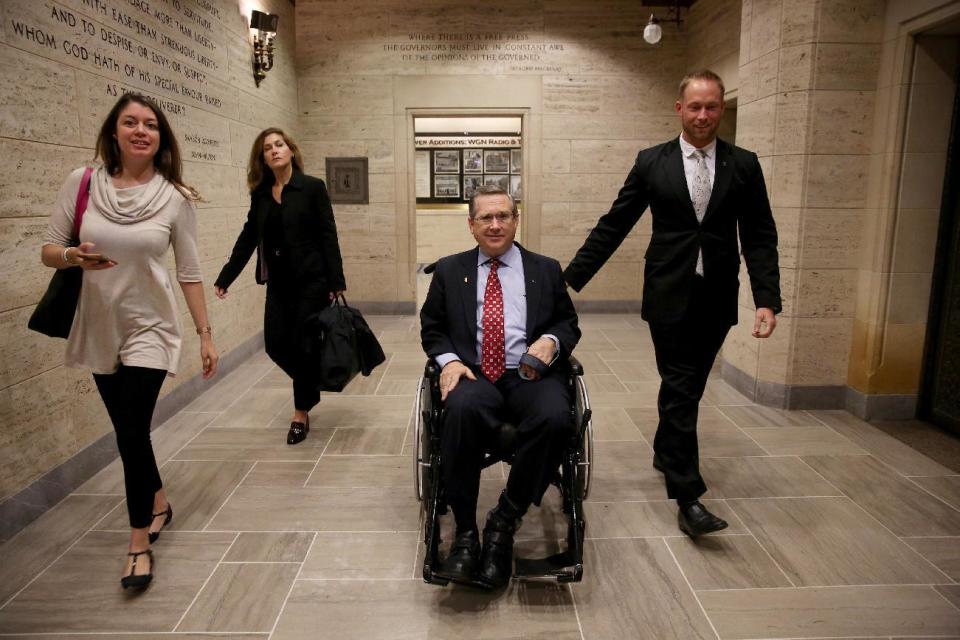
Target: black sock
(465,515)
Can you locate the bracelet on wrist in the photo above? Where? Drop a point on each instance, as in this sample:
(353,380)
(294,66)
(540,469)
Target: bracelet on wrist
(64,256)
(207,329)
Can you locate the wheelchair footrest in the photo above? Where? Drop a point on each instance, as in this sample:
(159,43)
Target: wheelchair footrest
(559,567)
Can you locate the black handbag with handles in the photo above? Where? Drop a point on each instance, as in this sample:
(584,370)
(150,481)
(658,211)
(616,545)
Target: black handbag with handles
(54,313)
(347,345)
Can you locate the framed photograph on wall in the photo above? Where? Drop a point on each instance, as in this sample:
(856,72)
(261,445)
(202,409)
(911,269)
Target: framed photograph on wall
(500,181)
(496,160)
(446,161)
(446,186)
(422,163)
(470,184)
(516,161)
(347,180)
(516,187)
(473,160)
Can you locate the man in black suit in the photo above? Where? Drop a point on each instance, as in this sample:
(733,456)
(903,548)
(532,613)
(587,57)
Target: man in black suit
(495,319)
(700,190)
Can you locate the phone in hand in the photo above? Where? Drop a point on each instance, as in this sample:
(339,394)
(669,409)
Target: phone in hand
(99,258)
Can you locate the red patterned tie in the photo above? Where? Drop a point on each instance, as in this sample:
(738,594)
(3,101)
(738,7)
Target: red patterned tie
(492,352)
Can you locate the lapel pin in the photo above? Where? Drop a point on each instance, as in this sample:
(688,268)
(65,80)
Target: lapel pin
(464,278)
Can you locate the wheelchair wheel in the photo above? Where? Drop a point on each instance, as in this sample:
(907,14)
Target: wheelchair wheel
(421,466)
(584,414)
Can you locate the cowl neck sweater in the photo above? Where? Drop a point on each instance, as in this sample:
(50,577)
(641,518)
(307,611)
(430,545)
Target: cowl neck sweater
(130,204)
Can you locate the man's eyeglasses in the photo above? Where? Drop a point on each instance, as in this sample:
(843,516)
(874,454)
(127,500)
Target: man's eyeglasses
(487,219)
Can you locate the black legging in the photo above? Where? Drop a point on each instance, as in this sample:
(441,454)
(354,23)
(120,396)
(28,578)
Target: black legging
(130,396)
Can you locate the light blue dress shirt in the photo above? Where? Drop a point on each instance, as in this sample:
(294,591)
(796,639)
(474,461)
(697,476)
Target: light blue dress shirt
(512,284)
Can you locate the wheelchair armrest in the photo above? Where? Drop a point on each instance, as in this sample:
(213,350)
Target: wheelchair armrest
(431,370)
(574,367)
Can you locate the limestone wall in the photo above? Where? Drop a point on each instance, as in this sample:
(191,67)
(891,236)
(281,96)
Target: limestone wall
(65,63)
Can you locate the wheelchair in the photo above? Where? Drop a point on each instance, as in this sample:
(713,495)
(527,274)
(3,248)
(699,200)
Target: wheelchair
(572,477)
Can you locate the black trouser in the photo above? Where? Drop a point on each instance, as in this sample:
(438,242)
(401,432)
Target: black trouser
(287,339)
(685,353)
(539,409)
(130,395)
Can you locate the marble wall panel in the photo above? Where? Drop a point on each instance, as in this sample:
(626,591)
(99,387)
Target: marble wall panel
(825,293)
(713,28)
(588,127)
(837,181)
(797,63)
(820,351)
(774,359)
(756,125)
(557,156)
(793,114)
(379,153)
(799,22)
(604,156)
(608,95)
(39,106)
(25,353)
(746,32)
(375,249)
(852,20)
(366,281)
(31,175)
(847,67)
(583,187)
(842,122)
(765,26)
(749,82)
(330,128)
(620,281)
(345,95)
(831,238)
(319,22)
(787,181)
(788,221)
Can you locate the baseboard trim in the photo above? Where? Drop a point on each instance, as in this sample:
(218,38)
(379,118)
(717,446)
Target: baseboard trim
(784,396)
(22,508)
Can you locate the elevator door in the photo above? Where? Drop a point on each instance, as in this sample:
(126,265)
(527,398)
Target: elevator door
(939,400)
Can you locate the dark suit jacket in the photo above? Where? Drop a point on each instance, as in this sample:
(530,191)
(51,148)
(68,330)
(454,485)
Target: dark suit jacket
(739,199)
(448,319)
(309,229)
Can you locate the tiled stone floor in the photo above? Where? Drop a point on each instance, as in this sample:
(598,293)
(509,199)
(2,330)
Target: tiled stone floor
(837,529)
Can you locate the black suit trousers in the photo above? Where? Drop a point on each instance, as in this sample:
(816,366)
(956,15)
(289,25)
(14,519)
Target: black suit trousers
(540,410)
(685,352)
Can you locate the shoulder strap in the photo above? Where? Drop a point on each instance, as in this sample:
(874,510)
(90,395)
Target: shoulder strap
(83,195)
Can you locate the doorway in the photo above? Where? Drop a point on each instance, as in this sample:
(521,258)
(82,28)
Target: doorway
(939,398)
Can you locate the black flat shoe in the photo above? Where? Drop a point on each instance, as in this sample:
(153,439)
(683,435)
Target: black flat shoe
(155,535)
(461,563)
(695,520)
(298,431)
(134,581)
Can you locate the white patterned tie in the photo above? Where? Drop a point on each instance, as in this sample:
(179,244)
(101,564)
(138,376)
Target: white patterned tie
(701,195)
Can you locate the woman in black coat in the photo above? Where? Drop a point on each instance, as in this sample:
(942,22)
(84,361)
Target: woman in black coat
(291,226)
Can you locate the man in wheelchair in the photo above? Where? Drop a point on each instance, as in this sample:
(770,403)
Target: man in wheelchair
(498,321)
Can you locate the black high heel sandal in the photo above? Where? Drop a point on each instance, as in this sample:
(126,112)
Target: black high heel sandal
(155,535)
(134,581)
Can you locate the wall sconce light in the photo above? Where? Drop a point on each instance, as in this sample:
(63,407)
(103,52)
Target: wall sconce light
(264,29)
(653,32)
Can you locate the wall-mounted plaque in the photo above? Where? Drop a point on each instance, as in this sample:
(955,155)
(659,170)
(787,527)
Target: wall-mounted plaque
(422,163)
(516,161)
(347,180)
(516,187)
(503,182)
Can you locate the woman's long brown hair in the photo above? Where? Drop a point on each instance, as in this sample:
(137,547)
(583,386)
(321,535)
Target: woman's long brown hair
(257,169)
(167,159)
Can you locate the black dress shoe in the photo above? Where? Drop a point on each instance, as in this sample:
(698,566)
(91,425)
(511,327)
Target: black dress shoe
(695,520)
(496,557)
(298,431)
(461,563)
(155,535)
